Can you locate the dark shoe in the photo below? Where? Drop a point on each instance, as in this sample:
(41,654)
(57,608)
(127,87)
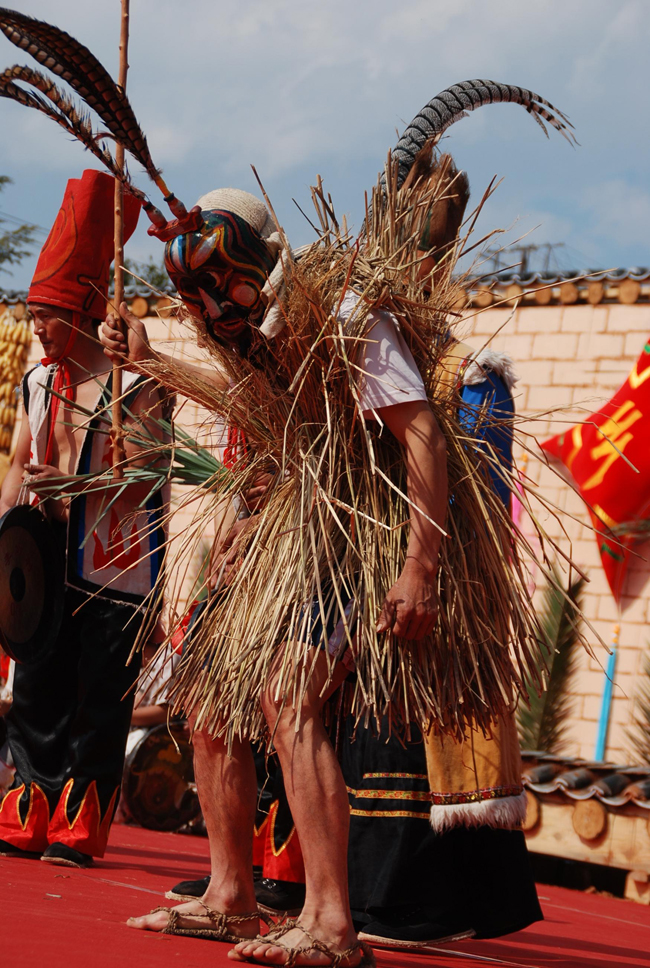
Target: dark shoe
(66,856)
(279,897)
(412,929)
(188,890)
(8,850)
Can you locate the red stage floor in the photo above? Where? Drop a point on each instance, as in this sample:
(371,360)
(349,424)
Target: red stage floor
(53,917)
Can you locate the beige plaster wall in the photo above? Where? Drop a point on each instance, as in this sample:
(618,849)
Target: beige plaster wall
(575,357)
(572,357)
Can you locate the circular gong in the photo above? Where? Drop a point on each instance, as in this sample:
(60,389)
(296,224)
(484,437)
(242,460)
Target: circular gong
(31,585)
(158,786)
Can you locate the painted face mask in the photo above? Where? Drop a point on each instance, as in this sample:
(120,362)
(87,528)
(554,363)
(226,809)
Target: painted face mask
(219,272)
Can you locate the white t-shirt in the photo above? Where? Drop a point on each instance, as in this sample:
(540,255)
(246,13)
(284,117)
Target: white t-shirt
(155,681)
(390,374)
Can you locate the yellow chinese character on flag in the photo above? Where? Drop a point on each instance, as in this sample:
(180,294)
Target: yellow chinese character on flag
(608,457)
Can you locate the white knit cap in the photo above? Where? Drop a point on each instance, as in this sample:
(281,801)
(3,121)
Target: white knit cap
(246,206)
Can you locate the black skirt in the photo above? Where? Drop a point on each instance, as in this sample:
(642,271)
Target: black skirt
(466,878)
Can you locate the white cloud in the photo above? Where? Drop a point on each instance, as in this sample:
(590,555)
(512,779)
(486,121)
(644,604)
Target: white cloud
(304,86)
(619,211)
(591,69)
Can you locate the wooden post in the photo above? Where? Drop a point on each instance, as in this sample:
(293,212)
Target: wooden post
(543,296)
(483,298)
(116,409)
(595,292)
(569,293)
(589,819)
(629,291)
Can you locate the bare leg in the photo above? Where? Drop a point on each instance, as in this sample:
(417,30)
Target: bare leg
(321,813)
(227,789)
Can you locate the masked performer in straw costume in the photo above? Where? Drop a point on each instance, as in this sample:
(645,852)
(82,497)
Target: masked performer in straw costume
(332,380)
(299,612)
(478,799)
(69,721)
(236,226)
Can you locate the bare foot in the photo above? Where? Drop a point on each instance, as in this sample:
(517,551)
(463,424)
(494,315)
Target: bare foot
(192,915)
(266,952)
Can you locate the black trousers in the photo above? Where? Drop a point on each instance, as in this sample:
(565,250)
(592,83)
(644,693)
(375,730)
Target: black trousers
(67,729)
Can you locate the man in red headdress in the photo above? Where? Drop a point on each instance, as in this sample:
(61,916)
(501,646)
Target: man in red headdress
(69,722)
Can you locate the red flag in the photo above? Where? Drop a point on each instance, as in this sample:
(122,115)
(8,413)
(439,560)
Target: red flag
(608,457)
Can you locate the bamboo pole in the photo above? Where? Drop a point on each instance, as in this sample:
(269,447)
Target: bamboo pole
(116,409)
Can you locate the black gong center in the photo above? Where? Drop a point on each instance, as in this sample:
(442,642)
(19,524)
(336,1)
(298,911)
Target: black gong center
(17,585)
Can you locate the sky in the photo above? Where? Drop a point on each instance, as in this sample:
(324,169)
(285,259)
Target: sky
(306,87)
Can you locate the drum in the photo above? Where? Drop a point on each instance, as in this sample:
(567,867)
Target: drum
(31,584)
(158,789)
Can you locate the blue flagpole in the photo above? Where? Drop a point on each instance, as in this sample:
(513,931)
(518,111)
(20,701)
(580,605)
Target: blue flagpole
(606,703)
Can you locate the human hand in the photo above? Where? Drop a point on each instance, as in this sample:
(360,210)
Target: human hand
(36,474)
(253,497)
(41,478)
(410,609)
(125,341)
(224,562)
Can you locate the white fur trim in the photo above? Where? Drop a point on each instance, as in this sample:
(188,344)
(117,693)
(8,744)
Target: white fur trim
(500,363)
(507,813)
(275,289)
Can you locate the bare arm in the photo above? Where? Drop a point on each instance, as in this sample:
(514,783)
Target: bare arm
(145,410)
(149,715)
(137,349)
(411,607)
(13,480)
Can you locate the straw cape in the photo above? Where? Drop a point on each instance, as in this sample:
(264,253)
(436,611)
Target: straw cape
(334,527)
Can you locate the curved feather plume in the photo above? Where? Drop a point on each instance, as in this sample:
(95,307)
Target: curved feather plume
(64,112)
(455,102)
(74,63)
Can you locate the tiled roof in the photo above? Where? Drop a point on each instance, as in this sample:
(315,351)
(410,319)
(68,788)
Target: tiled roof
(142,301)
(596,286)
(12,296)
(626,286)
(613,784)
(637,273)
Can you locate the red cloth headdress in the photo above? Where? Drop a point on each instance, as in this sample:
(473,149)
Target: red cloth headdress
(72,269)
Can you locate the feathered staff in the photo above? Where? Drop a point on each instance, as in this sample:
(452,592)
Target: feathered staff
(74,63)
(68,59)
(119,453)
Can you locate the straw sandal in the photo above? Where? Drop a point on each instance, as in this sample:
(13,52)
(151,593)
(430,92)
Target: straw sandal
(332,951)
(220,921)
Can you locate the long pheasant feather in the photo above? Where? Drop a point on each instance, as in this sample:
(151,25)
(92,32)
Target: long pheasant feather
(70,60)
(456,101)
(64,112)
